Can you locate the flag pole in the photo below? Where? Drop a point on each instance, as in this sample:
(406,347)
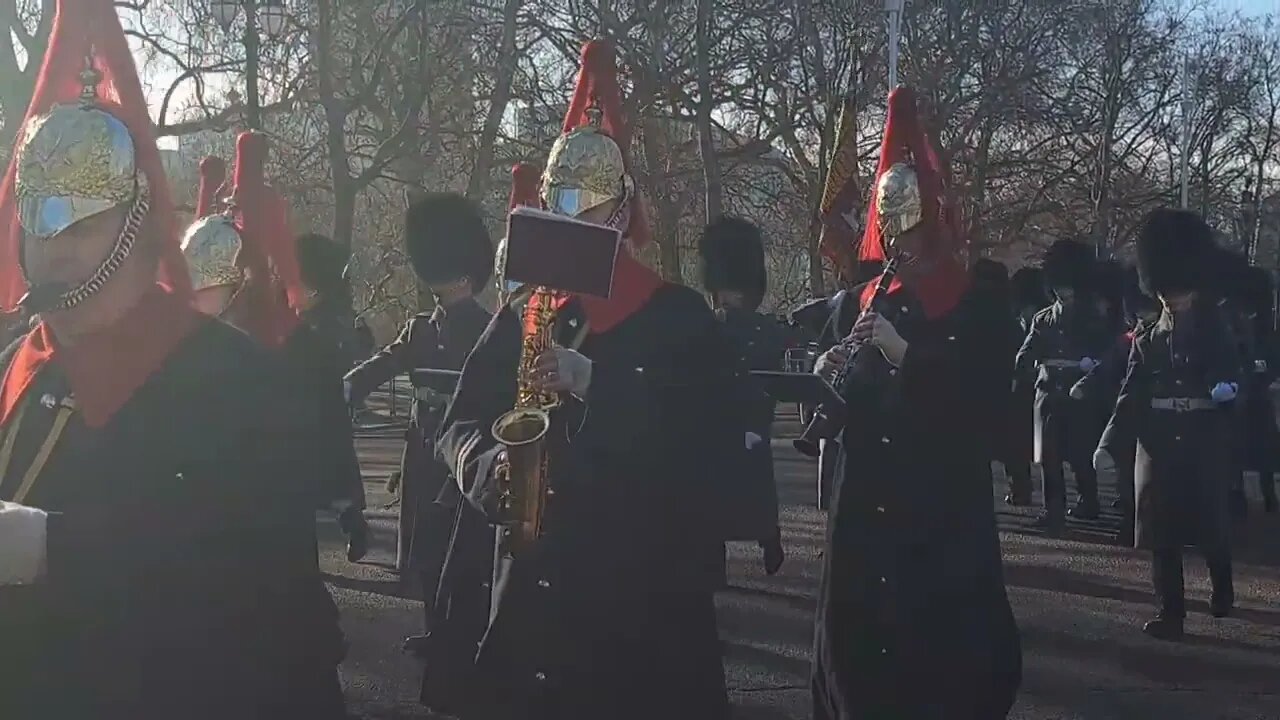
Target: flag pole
(1188,108)
(893,9)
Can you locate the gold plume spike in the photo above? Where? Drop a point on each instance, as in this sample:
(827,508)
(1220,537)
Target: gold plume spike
(90,78)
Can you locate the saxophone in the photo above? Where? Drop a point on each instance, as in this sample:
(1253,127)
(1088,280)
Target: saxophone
(523,430)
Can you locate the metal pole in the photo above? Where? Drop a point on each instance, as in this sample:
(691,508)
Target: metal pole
(252,44)
(894,10)
(1188,106)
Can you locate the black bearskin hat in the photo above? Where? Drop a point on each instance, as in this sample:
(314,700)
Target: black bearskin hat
(1230,275)
(1174,248)
(1135,300)
(732,253)
(322,263)
(1068,263)
(446,239)
(1028,287)
(1110,280)
(990,273)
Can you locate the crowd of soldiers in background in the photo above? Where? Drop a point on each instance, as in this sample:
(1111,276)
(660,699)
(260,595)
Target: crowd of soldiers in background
(1056,417)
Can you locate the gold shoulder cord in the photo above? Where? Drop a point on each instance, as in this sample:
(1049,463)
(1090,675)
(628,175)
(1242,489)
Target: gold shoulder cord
(42,455)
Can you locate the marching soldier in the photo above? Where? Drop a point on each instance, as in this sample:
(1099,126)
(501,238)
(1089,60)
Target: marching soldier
(1029,297)
(239,276)
(1261,436)
(1183,374)
(159,557)
(1066,341)
(1102,384)
(913,620)
(451,252)
(991,284)
(608,611)
(734,274)
(1245,297)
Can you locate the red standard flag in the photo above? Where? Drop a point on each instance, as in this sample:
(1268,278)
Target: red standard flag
(839,208)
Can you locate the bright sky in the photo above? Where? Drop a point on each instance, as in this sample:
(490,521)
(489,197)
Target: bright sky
(1252,7)
(156,82)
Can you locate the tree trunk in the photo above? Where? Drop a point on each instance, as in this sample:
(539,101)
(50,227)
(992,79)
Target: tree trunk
(664,217)
(706,141)
(481,170)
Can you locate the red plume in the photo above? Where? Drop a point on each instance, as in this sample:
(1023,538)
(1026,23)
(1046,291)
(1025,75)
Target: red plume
(633,282)
(84,29)
(213,172)
(524,185)
(905,142)
(267,251)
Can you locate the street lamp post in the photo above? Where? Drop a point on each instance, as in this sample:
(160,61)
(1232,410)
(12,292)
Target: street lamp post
(893,9)
(259,15)
(1188,109)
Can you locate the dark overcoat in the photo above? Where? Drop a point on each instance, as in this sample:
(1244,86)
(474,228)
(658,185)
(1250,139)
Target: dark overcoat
(1183,467)
(913,620)
(611,613)
(182,568)
(761,343)
(1059,337)
(314,362)
(440,340)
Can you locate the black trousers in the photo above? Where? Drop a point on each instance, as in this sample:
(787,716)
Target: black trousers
(1055,483)
(1166,576)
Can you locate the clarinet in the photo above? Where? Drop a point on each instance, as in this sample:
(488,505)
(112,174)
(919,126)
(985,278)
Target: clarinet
(826,422)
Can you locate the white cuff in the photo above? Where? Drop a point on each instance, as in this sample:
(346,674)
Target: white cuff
(23,535)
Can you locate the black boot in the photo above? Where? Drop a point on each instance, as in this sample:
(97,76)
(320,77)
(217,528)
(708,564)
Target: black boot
(1267,484)
(1166,577)
(1224,592)
(1085,509)
(416,645)
(1164,627)
(1017,499)
(1051,523)
(357,530)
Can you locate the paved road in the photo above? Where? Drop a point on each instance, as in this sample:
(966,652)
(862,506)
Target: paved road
(1080,602)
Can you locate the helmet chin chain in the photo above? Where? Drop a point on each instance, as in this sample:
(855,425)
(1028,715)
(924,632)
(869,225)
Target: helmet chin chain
(123,246)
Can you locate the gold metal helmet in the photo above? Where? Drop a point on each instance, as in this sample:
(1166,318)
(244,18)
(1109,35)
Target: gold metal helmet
(898,203)
(210,247)
(584,170)
(74,162)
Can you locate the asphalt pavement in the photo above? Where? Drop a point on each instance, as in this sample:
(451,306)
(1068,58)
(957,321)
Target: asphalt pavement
(1080,603)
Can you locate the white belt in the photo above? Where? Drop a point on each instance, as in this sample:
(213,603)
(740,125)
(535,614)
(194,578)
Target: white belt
(1182,404)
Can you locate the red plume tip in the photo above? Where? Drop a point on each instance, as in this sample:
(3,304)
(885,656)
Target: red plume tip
(251,157)
(213,168)
(524,185)
(599,56)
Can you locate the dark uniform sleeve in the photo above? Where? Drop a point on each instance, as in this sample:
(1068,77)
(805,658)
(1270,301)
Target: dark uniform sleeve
(1106,377)
(416,341)
(1031,352)
(1132,404)
(486,389)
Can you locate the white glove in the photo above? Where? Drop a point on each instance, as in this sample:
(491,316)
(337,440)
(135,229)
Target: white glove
(1224,392)
(23,532)
(1087,364)
(563,370)
(346,391)
(753,440)
(1103,462)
